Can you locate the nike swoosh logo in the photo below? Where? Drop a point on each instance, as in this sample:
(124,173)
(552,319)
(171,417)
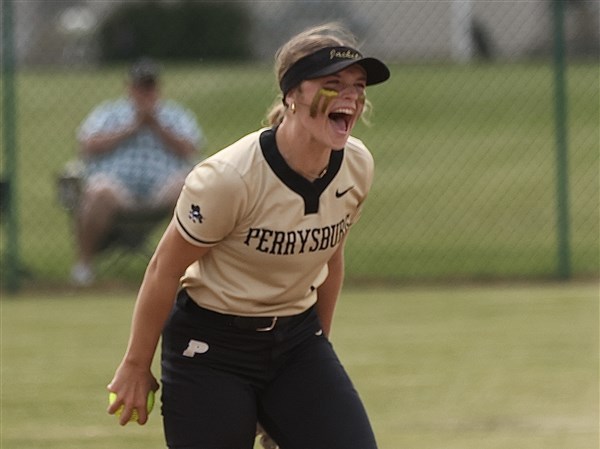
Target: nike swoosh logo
(339,194)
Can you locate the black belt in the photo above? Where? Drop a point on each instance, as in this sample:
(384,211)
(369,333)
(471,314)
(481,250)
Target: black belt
(252,323)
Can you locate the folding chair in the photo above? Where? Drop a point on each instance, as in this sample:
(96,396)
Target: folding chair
(131,229)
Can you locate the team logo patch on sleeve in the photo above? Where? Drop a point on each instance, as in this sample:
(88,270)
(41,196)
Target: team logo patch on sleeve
(195,214)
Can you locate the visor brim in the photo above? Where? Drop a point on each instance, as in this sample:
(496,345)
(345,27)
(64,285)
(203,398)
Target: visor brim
(377,72)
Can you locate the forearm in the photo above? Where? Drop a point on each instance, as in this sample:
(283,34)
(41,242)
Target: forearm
(178,145)
(105,142)
(133,378)
(157,293)
(153,305)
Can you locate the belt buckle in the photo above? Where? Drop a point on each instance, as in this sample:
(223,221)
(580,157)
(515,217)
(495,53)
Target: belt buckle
(269,327)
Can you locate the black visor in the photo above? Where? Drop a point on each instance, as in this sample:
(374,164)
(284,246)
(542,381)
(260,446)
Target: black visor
(328,61)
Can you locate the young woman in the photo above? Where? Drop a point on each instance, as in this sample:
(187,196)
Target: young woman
(254,257)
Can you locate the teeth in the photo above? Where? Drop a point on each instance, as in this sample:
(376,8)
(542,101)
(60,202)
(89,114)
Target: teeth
(347,111)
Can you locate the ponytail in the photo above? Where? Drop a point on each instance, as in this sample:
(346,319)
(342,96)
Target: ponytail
(276,113)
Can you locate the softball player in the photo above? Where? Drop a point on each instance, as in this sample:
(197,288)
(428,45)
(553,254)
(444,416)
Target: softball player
(254,257)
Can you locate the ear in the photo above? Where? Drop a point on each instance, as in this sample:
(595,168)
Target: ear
(291,96)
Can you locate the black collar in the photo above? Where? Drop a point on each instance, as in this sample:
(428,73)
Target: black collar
(309,191)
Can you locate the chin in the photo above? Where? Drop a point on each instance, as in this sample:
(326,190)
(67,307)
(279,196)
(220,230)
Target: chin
(339,141)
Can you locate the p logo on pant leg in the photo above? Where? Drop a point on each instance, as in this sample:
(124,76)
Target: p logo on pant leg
(195,347)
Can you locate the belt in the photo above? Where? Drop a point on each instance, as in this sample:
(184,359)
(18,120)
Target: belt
(251,323)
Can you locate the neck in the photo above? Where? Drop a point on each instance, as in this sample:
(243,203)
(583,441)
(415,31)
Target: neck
(303,155)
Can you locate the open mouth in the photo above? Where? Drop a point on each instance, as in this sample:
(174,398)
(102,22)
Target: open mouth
(341,119)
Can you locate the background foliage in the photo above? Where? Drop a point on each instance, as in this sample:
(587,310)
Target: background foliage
(194,31)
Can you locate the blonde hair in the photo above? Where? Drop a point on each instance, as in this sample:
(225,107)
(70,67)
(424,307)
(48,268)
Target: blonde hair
(331,34)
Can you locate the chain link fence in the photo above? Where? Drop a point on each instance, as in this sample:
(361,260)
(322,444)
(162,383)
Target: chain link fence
(465,134)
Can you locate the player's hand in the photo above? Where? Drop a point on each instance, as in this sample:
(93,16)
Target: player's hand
(131,387)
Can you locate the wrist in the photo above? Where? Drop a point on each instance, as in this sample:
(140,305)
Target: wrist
(136,362)
(131,130)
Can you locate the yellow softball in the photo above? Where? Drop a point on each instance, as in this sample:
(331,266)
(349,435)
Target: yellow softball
(112,397)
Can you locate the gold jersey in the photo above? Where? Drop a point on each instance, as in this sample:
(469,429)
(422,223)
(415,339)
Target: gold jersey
(270,230)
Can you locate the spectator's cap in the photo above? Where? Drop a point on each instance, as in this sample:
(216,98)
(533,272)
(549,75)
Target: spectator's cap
(145,71)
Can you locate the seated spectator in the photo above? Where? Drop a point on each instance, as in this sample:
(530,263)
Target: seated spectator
(137,151)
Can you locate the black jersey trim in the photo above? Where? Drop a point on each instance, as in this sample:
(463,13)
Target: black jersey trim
(309,191)
(204,242)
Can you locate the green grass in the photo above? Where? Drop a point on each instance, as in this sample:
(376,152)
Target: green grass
(465,155)
(453,367)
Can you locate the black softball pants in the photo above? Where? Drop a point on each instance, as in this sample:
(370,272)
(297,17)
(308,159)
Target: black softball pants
(220,375)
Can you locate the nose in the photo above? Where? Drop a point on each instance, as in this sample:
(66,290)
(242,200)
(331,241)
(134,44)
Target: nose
(351,92)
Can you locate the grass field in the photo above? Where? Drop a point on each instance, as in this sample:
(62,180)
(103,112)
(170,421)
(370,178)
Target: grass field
(465,156)
(454,367)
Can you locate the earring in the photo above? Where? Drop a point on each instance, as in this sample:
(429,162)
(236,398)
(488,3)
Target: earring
(293,108)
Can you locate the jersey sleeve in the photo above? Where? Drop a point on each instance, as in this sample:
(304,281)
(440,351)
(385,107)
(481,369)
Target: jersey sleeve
(364,169)
(211,203)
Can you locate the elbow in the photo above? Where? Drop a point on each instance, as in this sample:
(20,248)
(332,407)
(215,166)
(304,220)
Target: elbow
(189,149)
(160,269)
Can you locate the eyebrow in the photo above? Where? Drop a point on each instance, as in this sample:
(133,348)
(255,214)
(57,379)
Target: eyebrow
(338,76)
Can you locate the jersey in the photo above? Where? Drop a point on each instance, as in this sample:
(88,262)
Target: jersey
(271,230)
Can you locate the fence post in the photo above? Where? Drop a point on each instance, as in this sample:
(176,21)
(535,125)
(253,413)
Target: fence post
(461,21)
(12,265)
(562,193)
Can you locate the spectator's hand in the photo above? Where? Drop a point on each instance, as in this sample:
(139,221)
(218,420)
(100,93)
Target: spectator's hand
(146,105)
(147,116)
